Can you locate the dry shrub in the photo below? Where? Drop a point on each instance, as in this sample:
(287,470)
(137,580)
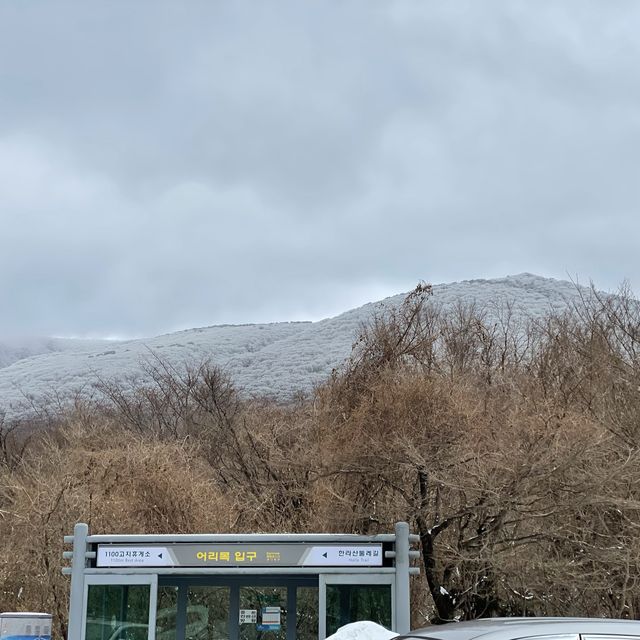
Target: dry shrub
(108,477)
(512,450)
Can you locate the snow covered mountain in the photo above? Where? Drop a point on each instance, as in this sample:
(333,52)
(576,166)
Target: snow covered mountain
(275,360)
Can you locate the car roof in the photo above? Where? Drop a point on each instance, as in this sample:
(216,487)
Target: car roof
(513,628)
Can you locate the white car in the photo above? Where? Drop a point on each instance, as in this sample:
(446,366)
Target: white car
(530,629)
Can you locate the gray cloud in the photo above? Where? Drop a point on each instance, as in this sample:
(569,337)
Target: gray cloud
(167,165)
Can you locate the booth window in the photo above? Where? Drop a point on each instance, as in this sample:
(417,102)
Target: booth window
(352,602)
(167,613)
(207,613)
(117,612)
(307,613)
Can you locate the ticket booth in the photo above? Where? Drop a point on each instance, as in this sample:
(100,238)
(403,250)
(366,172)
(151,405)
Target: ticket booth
(236,587)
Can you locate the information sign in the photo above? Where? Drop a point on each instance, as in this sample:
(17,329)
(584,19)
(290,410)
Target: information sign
(238,555)
(248,616)
(270,619)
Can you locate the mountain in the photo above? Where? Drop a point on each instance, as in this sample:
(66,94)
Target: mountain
(20,349)
(275,360)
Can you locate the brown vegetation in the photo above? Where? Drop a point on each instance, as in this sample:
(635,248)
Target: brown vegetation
(513,450)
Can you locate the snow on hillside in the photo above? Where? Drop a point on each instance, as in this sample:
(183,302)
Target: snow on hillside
(19,349)
(275,360)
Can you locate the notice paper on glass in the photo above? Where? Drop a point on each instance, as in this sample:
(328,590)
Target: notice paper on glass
(248,616)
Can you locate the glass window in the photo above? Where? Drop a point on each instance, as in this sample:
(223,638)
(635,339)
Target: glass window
(117,612)
(207,613)
(270,605)
(352,602)
(167,613)
(307,613)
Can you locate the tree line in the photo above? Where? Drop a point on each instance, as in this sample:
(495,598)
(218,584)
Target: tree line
(511,446)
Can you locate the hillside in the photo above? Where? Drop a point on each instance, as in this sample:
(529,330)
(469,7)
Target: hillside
(275,360)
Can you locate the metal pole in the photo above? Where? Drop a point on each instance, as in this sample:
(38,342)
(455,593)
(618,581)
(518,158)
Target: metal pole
(403,613)
(78,564)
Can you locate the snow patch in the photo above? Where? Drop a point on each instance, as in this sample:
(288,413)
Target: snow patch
(364,630)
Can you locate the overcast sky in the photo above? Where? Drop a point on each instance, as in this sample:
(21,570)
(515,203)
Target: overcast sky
(170,165)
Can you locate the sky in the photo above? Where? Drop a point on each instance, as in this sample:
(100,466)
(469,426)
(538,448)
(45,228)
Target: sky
(166,165)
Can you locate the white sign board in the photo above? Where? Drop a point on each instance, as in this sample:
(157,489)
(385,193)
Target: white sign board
(125,556)
(271,615)
(344,556)
(248,616)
